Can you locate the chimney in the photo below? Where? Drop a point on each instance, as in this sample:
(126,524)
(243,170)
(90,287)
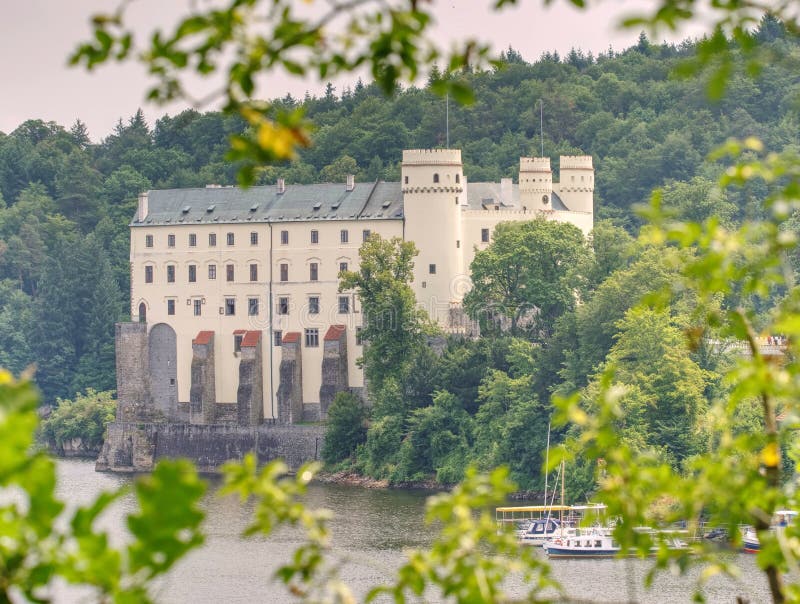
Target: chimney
(506,188)
(351,182)
(142,211)
(281,186)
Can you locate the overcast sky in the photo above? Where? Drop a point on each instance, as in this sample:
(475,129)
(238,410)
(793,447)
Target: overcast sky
(36,36)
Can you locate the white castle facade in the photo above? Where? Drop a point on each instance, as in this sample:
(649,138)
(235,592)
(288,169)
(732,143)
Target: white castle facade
(236,313)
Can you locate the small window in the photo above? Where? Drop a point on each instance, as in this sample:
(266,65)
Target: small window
(252,307)
(344,305)
(405,180)
(278,337)
(344,236)
(432,269)
(192,239)
(148,274)
(314,236)
(229,272)
(313,305)
(198,307)
(253,272)
(284,237)
(283,305)
(148,241)
(212,240)
(170,240)
(456,200)
(458,178)
(237,342)
(230,306)
(359,338)
(171,273)
(435,178)
(230,239)
(312,338)
(342,267)
(313,271)
(284,272)
(458,243)
(253,238)
(365,234)
(485,235)
(212,272)
(170,307)
(192,273)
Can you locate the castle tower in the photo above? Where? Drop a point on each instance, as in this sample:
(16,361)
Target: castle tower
(576,185)
(535,183)
(433,189)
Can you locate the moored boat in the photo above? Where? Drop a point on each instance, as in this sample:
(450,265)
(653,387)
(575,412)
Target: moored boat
(597,542)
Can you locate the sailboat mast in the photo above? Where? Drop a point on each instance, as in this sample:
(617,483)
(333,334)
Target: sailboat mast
(562,489)
(547,462)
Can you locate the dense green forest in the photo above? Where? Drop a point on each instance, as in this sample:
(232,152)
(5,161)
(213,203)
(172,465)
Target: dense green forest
(66,203)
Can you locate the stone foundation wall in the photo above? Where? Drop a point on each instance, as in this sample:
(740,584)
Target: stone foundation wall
(137,447)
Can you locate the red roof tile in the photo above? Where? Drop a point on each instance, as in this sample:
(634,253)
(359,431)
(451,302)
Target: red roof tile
(203,338)
(334,333)
(239,332)
(291,337)
(251,338)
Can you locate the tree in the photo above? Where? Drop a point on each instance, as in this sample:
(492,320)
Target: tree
(394,328)
(524,276)
(84,418)
(347,419)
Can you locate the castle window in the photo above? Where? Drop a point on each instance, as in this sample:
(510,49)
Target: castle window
(170,307)
(312,338)
(212,240)
(253,238)
(278,337)
(170,240)
(230,306)
(313,271)
(198,307)
(237,342)
(171,273)
(458,178)
(252,307)
(456,200)
(148,241)
(405,180)
(212,272)
(192,240)
(573,178)
(458,243)
(192,273)
(253,272)
(342,267)
(485,235)
(284,237)
(359,338)
(230,239)
(142,313)
(229,272)
(432,269)
(148,274)
(284,272)
(344,305)
(314,236)
(365,234)
(283,305)
(344,236)
(435,178)
(313,305)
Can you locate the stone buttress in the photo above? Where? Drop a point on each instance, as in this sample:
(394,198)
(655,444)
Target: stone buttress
(334,367)
(290,391)
(250,394)
(202,393)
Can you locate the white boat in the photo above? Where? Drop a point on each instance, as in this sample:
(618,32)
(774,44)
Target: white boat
(598,543)
(781,519)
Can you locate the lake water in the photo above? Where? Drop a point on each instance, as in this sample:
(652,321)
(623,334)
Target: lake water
(370,530)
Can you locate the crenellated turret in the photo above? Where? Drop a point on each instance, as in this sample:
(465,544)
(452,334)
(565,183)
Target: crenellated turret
(433,189)
(576,185)
(535,183)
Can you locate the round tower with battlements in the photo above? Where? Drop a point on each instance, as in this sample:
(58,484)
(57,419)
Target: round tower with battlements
(535,183)
(433,187)
(576,184)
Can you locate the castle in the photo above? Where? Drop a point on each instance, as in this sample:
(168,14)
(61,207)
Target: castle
(236,313)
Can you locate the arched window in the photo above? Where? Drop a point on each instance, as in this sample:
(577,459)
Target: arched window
(142,313)
(435,178)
